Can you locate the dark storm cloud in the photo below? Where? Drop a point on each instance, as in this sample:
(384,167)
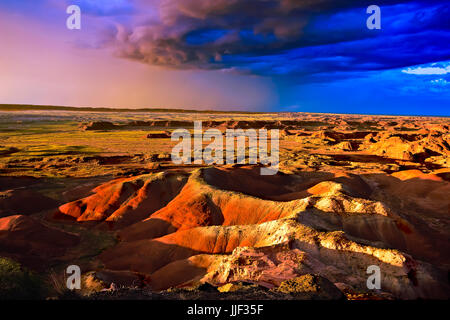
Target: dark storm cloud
(301,37)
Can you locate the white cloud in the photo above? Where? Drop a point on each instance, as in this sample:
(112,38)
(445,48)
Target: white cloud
(441,82)
(433,70)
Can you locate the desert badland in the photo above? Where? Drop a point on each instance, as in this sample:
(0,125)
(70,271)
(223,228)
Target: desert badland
(99,190)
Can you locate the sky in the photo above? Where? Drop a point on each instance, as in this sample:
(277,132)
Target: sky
(254,55)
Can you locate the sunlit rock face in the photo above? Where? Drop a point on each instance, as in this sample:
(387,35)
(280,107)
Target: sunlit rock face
(124,201)
(229,225)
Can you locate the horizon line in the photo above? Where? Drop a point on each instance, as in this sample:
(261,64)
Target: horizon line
(31,107)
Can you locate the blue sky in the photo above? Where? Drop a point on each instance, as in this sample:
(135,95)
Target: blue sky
(271,55)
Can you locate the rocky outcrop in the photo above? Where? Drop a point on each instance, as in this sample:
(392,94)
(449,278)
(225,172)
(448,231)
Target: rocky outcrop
(98,125)
(410,147)
(162,135)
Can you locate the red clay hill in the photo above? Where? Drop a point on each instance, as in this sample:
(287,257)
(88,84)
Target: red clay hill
(223,225)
